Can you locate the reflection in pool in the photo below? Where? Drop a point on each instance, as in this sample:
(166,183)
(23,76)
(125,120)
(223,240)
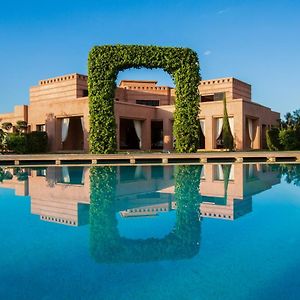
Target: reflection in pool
(125,221)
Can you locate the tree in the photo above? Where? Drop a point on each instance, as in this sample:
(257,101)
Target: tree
(273,141)
(21,126)
(289,138)
(7,126)
(227,135)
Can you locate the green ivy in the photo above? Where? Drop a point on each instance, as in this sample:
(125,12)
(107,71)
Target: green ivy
(104,64)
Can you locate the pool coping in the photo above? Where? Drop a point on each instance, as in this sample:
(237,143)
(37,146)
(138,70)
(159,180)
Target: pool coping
(150,158)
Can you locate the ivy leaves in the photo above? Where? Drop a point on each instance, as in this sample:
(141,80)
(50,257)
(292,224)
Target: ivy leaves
(104,64)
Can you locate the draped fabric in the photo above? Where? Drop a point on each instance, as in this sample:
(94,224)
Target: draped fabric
(219,172)
(65,174)
(64,129)
(251,170)
(202,175)
(231,125)
(138,131)
(202,125)
(83,175)
(231,174)
(138,172)
(82,123)
(219,127)
(251,131)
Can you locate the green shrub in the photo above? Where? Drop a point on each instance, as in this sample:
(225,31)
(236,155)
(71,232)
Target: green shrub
(273,141)
(105,62)
(37,142)
(17,143)
(289,139)
(33,142)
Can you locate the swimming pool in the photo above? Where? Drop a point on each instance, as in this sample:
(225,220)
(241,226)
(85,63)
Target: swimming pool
(213,231)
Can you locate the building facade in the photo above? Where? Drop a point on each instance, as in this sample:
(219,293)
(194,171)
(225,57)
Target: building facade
(144,113)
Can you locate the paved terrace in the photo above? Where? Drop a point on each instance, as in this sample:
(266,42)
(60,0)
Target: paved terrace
(149,158)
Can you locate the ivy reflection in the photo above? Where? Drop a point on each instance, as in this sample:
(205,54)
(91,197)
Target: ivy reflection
(106,244)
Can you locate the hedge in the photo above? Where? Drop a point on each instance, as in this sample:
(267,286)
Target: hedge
(37,142)
(33,142)
(17,143)
(104,64)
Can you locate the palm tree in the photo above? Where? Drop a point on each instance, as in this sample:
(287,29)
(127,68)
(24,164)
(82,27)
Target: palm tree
(21,126)
(7,126)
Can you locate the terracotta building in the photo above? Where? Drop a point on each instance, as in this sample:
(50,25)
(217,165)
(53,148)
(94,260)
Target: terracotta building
(144,114)
(62,194)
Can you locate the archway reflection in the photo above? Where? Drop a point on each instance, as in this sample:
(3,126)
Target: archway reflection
(105,241)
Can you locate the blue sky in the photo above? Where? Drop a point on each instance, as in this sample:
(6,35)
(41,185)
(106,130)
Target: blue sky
(255,41)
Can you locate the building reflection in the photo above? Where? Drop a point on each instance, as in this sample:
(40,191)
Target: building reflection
(62,194)
(76,196)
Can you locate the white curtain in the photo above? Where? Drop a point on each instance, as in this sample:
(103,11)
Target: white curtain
(231,125)
(202,125)
(219,123)
(82,123)
(83,175)
(202,175)
(138,172)
(231,174)
(64,128)
(138,131)
(65,175)
(251,131)
(251,170)
(219,172)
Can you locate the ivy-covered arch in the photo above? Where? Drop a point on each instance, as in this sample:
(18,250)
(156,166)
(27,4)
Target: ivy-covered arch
(104,64)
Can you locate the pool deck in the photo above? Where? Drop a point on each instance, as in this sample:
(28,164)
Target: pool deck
(149,158)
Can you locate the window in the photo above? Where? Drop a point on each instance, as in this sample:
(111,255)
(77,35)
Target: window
(207,98)
(41,127)
(219,96)
(148,102)
(85,93)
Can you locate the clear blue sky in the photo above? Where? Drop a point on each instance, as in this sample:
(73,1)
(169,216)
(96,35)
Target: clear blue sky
(255,41)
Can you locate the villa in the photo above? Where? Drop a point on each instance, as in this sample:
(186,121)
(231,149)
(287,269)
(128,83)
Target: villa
(144,114)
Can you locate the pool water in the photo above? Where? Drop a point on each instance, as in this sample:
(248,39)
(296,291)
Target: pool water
(150,232)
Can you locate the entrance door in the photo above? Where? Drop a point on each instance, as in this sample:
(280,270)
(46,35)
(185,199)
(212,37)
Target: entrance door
(157,135)
(72,134)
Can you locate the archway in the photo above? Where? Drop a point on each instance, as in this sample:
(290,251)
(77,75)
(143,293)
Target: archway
(105,62)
